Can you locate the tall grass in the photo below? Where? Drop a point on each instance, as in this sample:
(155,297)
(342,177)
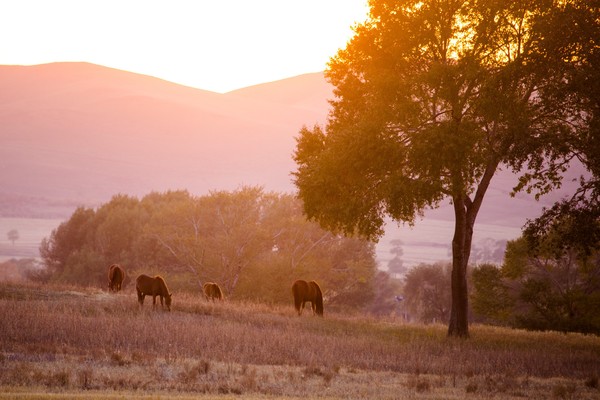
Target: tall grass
(92,340)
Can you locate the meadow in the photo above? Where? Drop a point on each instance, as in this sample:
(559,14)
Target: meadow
(85,343)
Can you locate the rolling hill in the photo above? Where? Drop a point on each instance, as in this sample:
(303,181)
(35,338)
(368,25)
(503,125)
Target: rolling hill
(80,133)
(77,133)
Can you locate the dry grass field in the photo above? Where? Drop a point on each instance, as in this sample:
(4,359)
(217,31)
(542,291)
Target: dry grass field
(64,342)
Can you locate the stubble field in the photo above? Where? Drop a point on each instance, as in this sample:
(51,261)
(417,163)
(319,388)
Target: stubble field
(63,342)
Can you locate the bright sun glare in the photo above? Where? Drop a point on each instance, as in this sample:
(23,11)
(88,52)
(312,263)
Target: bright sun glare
(213,45)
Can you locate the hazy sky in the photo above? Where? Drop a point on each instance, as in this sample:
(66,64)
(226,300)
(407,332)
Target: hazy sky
(217,45)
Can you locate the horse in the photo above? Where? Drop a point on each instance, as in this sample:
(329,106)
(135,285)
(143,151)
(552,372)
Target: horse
(147,285)
(308,291)
(212,291)
(116,276)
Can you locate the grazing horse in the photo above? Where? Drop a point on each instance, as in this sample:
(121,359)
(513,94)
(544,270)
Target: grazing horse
(147,285)
(308,291)
(212,291)
(116,275)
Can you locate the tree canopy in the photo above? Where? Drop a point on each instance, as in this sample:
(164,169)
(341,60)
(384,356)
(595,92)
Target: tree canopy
(254,244)
(432,98)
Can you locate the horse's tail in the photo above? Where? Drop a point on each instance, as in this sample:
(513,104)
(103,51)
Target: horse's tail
(296,294)
(318,299)
(206,290)
(118,275)
(111,272)
(218,292)
(138,290)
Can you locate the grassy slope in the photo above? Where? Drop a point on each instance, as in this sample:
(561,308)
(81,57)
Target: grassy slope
(81,343)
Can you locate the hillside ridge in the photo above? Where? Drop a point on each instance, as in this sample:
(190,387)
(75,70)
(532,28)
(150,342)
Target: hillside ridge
(82,132)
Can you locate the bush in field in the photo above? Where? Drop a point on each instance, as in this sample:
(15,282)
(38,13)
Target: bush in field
(550,279)
(553,290)
(254,244)
(427,292)
(15,270)
(491,300)
(385,301)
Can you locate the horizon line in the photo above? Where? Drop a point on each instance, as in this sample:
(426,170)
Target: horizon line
(160,78)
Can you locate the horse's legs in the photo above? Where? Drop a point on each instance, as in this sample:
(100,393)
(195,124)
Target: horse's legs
(153,301)
(313,306)
(140,297)
(301,308)
(297,305)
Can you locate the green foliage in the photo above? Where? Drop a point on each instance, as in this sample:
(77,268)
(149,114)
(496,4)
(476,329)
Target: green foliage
(427,292)
(68,238)
(514,258)
(549,286)
(430,95)
(432,98)
(254,244)
(557,291)
(490,298)
(568,224)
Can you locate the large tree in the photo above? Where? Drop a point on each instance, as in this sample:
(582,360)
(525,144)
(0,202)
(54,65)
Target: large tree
(580,30)
(432,98)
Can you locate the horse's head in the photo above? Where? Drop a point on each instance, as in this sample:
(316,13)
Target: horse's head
(168,301)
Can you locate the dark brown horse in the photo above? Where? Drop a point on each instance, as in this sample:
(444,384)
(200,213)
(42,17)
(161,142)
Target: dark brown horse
(308,291)
(147,285)
(212,291)
(116,275)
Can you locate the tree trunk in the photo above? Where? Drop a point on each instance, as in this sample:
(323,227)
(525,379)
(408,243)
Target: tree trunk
(461,249)
(465,213)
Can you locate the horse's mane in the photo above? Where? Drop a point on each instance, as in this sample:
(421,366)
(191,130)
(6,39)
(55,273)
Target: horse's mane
(162,283)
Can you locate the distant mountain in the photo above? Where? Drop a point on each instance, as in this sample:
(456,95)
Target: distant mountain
(77,133)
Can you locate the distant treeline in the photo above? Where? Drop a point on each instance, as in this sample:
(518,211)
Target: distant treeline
(254,244)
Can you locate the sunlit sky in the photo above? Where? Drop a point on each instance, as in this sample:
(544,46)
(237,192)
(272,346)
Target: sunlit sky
(216,45)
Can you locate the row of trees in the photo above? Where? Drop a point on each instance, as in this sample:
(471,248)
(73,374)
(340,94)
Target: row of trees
(254,244)
(549,279)
(537,291)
